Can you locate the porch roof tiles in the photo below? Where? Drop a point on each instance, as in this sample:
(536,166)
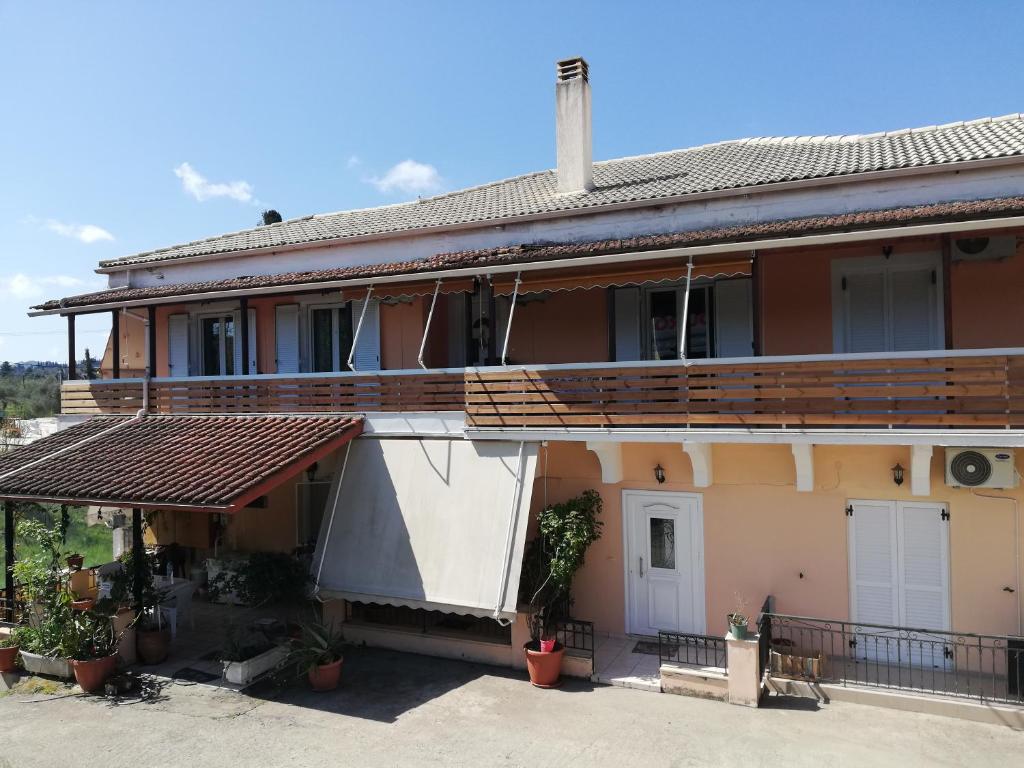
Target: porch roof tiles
(527,253)
(198,462)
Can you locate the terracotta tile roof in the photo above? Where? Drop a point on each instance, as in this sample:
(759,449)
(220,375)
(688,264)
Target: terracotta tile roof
(211,463)
(696,170)
(526,253)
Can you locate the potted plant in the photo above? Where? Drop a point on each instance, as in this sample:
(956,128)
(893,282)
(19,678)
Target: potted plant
(260,578)
(8,653)
(251,651)
(92,646)
(75,561)
(566,532)
(738,621)
(135,588)
(317,652)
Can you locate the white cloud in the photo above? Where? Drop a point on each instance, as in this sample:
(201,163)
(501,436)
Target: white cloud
(22,286)
(409,177)
(87,233)
(197,185)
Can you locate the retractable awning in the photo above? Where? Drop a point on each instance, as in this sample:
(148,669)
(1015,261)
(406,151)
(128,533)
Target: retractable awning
(189,463)
(435,524)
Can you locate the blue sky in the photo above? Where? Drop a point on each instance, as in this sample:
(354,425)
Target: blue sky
(130,126)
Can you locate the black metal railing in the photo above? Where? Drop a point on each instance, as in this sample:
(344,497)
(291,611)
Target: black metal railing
(698,650)
(962,664)
(429,622)
(576,635)
(764,636)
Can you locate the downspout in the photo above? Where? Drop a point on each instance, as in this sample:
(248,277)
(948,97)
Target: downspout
(513,519)
(426,328)
(511,313)
(359,327)
(686,310)
(330,521)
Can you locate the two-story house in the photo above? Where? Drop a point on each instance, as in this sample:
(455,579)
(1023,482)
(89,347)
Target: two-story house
(790,366)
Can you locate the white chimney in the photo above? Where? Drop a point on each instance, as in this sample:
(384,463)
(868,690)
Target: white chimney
(572,126)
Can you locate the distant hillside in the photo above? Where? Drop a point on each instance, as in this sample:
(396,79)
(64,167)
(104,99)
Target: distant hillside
(30,391)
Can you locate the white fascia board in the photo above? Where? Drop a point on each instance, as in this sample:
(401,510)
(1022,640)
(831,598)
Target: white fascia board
(439,424)
(834,238)
(943,438)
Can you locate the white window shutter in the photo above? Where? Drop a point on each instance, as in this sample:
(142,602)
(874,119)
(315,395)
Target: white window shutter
(864,304)
(252,343)
(734,320)
(914,320)
(873,563)
(177,345)
(627,324)
(367,354)
(287,338)
(924,566)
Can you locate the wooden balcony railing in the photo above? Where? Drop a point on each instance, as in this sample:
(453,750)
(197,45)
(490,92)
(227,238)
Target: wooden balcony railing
(970,389)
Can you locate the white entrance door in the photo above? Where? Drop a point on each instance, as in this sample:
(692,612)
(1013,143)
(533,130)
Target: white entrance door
(664,562)
(899,576)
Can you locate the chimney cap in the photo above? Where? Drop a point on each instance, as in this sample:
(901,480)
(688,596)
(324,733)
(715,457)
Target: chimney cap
(571,69)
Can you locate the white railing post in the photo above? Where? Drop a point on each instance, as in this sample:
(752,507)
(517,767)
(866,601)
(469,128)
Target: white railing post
(359,327)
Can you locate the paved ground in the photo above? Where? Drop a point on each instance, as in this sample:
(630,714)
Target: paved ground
(398,709)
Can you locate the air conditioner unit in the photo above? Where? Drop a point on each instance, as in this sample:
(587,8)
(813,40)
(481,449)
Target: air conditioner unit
(980,468)
(983,248)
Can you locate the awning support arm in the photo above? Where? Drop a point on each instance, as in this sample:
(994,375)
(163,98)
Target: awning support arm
(511,313)
(426,328)
(359,327)
(330,522)
(513,521)
(686,310)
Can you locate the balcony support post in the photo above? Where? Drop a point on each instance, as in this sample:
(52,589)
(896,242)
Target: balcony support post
(803,457)
(243,312)
(151,341)
(686,310)
(921,470)
(9,559)
(359,327)
(426,326)
(700,458)
(115,341)
(138,556)
(72,358)
(511,314)
(609,454)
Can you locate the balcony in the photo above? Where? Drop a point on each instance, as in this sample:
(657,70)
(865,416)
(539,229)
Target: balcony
(978,389)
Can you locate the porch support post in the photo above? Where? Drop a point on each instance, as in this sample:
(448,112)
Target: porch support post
(151,342)
(803,457)
(72,358)
(138,555)
(511,314)
(426,326)
(359,327)
(610,456)
(243,312)
(755,300)
(700,458)
(921,470)
(686,310)
(115,341)
(9,559)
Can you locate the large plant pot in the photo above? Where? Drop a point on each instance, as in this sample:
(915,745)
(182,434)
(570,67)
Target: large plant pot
(325,677)
(544,668)
(92,674)
(36,664)
(152,645)
(8,659)
(245,672)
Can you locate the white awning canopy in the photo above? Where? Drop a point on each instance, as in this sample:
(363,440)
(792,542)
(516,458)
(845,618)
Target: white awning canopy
(436,524)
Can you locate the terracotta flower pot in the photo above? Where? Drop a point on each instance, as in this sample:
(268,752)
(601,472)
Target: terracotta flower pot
(85,604)
(152,645)
(92,674)
(326,676)
(75,562)
(544,667)
(8,657)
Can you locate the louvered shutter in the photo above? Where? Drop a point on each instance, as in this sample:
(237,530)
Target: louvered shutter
(367,355)
(627,324)
(238,343)
(873,556)
(923,566)
(914,322)
(177,345)
(864,307)
(287,338)
(734,327)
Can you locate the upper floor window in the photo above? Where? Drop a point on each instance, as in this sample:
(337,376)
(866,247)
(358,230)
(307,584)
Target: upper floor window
(330,338)
(217,340)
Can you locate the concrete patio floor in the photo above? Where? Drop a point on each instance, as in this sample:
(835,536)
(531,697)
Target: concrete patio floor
(401,709)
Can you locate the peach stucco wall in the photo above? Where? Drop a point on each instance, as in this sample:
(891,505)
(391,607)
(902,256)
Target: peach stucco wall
(760,534)
(986,301)
(564,327)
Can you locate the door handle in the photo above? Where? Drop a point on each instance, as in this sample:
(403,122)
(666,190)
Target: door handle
(641,566)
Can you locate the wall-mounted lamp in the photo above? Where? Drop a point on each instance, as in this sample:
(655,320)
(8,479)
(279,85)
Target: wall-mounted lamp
(897,474)
(659,474)
(311,472)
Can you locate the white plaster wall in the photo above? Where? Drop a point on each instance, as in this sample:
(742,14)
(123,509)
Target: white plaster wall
(847,197)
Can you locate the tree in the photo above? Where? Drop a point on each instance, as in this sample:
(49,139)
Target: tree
(6,369)
(90,367)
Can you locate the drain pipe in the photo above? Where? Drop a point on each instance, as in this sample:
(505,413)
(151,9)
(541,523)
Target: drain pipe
(359,327)
(144,410)
(330,522)
(426,328)
(511,313)
(686,310)
(513,519)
